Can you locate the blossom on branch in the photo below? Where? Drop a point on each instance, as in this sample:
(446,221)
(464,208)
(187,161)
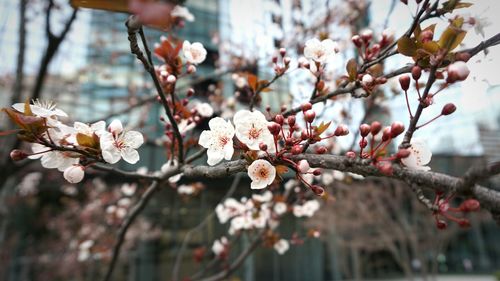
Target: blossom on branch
(182,13)
(420,155)
(218,140)
(251,129)
(74,174)
(194,53)
(117,144)
(281,246)
(40,108)
(320,51)
(262,174)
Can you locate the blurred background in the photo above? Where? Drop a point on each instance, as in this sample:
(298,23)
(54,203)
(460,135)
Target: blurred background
(374,229)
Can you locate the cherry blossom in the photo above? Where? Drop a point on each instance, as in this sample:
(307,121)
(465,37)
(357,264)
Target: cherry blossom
(262,174)
(128,189)
(320,51)
(218,140)
(420,156)
(281,246)
(458,71)
(194,53)
(307,209)
(219,246)
(41,108)
(251,129)
(182,13)
(167,166)
(204,109)
(117,144)
(280,208)
(185,189)
(74,174)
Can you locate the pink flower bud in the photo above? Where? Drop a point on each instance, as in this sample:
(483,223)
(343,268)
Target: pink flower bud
(356,40)
(441,224)
(470,205)
(375,127)
(367,35)
(426,36)
(396,129)
(367,79)
(457,71)
(279,119)
(363,143)
(296,149)
(416,72)
(341,130)
(303,166)
(309,116)
(190,92)
(403,153)
(171,79)
(275,59)
(321,150)
(306,106)
(448,109)
(404,81)
(115,127)
(286,60)
(74,174)
(263,146)
(304,135)
(274,128)
(18,155)
(282,52)
(364,130)
(190,70)
(317,172)
(318,190)
(386,134)
(291,120)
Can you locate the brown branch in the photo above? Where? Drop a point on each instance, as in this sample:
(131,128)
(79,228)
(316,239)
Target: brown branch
(126,174)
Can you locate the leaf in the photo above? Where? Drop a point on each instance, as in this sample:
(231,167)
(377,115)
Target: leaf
(27,108)
(108,5)
(352,69)
(407,46)
(322,127)
(431,47)
(85,140)
(451,38)
(281,169)
(252,82)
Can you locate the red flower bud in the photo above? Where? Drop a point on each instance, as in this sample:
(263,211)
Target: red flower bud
(317,172)
(470,205)
(289,141)
(375,127)
(306,106)
(279,119)
(296,149)
(18,155)
(416,72)
(309,116)
(350,154)
(386,134)
(448,109)
(396,129)
(341,130)
(356,40)
(291,120)
(321,150)
(441,224)
(190,92)
(274,128)
(403,153)
(318,190)
(263,146)
(404,81)
(426,36)
(275,59)
(364,130)
(304,135)
(363,143)
(282,52)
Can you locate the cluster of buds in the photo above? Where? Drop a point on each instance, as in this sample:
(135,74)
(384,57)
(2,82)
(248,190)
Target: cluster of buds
(377,139)
(366,45)
(443,211)
(281,68)
(368,82)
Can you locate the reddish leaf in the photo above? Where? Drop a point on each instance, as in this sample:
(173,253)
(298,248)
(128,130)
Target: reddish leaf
(281,169)
(252,82)
(352,69)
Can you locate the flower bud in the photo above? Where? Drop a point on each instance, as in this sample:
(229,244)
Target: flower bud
(171,79)
(448,109)
(279,119)
(318,190)
(74,174)
(296,149)
(470,205)
(341,130)
(386,134)
(350,154)
(291,120)
(317,172)
(190,92)
(457,71)
(309,116)
(367,79)
(375,127)
(321,150)
(275,59)
(364,130)
(282,52)
(426,36)
(367,35)
(441,224)
(303,166)
(306,106)
(363,143)
(263,146)
(115,127)
(396,129)
(464,56)
(304,135)
(403,153)
(286,60)
(321,85)
(416,72)
(274,128)
(356,40)
(404,81)
(191,69)
(464,223)
(303,62)
(18,155)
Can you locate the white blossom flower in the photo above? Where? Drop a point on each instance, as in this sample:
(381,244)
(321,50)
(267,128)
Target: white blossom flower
(185,189)
(220,245)
(458,70)
(74,174)
(97,128)
(251,129)
(182,12)
(420,156)
(307,209)
(128,189)
(170,164)
(52,159)
(281,246)
(218,140)
(264,197)
(320,51)
(204,109)
(40,108)
(194,53)
(185,126)
(262,174)
(280,208)
(120,144)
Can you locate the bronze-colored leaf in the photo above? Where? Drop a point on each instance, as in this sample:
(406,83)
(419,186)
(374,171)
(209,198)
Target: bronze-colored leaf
(281,169)
(252,82)
(322,127)
(352,69)
(431,47)
(108,5)
(85,140)
(407,46)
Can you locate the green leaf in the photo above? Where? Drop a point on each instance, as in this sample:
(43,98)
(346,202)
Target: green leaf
(407,46)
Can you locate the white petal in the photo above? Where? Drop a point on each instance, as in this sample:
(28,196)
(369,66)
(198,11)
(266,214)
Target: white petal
(133,139)
(258,184)
(51,160)
(214,156)
(228,150)
(206,138)
(111,155)
(115,126)
(130,155)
